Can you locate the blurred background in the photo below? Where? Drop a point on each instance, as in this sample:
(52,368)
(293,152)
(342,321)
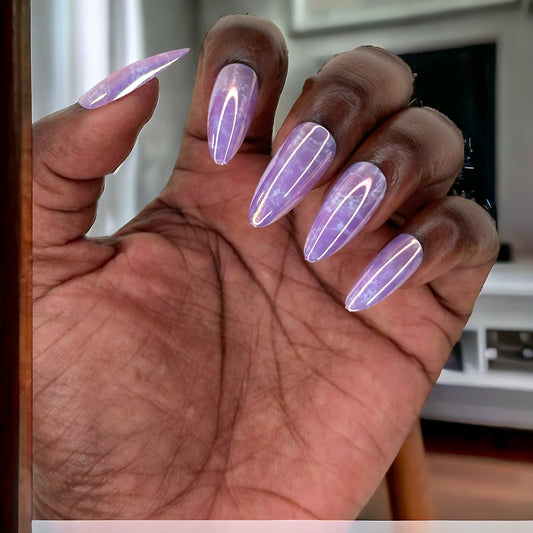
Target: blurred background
(474,61)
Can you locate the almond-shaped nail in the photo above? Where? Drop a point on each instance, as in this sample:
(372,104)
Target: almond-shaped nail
(347,208)
(293,171)
(129,78)
(389,270)
(231,109)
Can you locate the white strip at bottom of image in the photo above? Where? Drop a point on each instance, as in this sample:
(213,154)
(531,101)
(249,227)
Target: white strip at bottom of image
(276,526)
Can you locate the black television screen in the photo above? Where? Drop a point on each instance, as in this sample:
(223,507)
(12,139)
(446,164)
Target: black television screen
(460,82)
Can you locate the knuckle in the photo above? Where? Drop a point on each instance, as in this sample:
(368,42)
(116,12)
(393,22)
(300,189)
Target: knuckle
(406,142)
(389,57)
(428,138)
(247,39)
(341,98)
(444,122)
(440,128)
(342,87)
(366,80)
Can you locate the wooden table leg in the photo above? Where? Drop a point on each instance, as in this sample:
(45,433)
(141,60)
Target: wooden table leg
(408,480)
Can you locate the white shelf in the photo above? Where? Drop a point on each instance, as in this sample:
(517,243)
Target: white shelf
(477,393)
(510,279)
(494,379)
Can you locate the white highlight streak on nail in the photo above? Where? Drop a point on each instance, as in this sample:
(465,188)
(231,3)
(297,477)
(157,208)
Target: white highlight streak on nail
(280,172)
(302,174)
(367,184)
(232,95)
(101,97)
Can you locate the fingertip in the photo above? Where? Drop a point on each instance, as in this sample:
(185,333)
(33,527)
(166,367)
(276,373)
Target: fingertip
(256,43)
(455,233)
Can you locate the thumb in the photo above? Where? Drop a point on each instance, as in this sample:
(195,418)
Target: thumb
(72,150)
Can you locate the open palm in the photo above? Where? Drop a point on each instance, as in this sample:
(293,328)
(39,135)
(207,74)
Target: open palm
(192,366)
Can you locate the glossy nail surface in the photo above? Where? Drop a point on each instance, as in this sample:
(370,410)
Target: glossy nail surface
(231,110)
(392,267)
(294,170)
(347,208)
(129,78)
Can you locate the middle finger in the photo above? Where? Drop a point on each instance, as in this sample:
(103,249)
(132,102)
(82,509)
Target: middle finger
(348,97)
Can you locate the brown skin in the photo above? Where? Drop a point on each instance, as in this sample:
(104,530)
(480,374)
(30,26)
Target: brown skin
(191,366)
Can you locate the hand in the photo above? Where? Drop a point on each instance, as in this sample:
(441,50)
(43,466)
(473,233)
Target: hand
(193,366)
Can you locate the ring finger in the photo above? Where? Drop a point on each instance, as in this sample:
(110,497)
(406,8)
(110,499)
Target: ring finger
(410,160)
(348,98)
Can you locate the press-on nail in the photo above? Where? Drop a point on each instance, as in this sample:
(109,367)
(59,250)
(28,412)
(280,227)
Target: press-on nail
(347,208)
(390,269)
(231,109)
(294,170)
(127,79)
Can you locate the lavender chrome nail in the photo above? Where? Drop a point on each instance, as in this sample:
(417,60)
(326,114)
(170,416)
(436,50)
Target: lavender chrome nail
(294,170)
(390,269)
(347,208)
(129,78)
(231,109)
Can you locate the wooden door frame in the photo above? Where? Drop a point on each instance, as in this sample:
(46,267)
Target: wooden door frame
(15,269)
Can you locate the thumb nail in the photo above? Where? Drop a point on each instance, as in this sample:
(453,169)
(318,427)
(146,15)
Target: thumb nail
(129,78)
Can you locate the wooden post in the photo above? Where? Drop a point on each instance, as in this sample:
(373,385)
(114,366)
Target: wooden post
(408,480)
(15,269)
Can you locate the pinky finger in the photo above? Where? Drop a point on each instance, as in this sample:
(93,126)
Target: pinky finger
(450,245)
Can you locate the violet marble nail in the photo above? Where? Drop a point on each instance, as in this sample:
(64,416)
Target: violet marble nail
(129,78)
(231,109)
(390,269)
(293,171)
(347,208)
